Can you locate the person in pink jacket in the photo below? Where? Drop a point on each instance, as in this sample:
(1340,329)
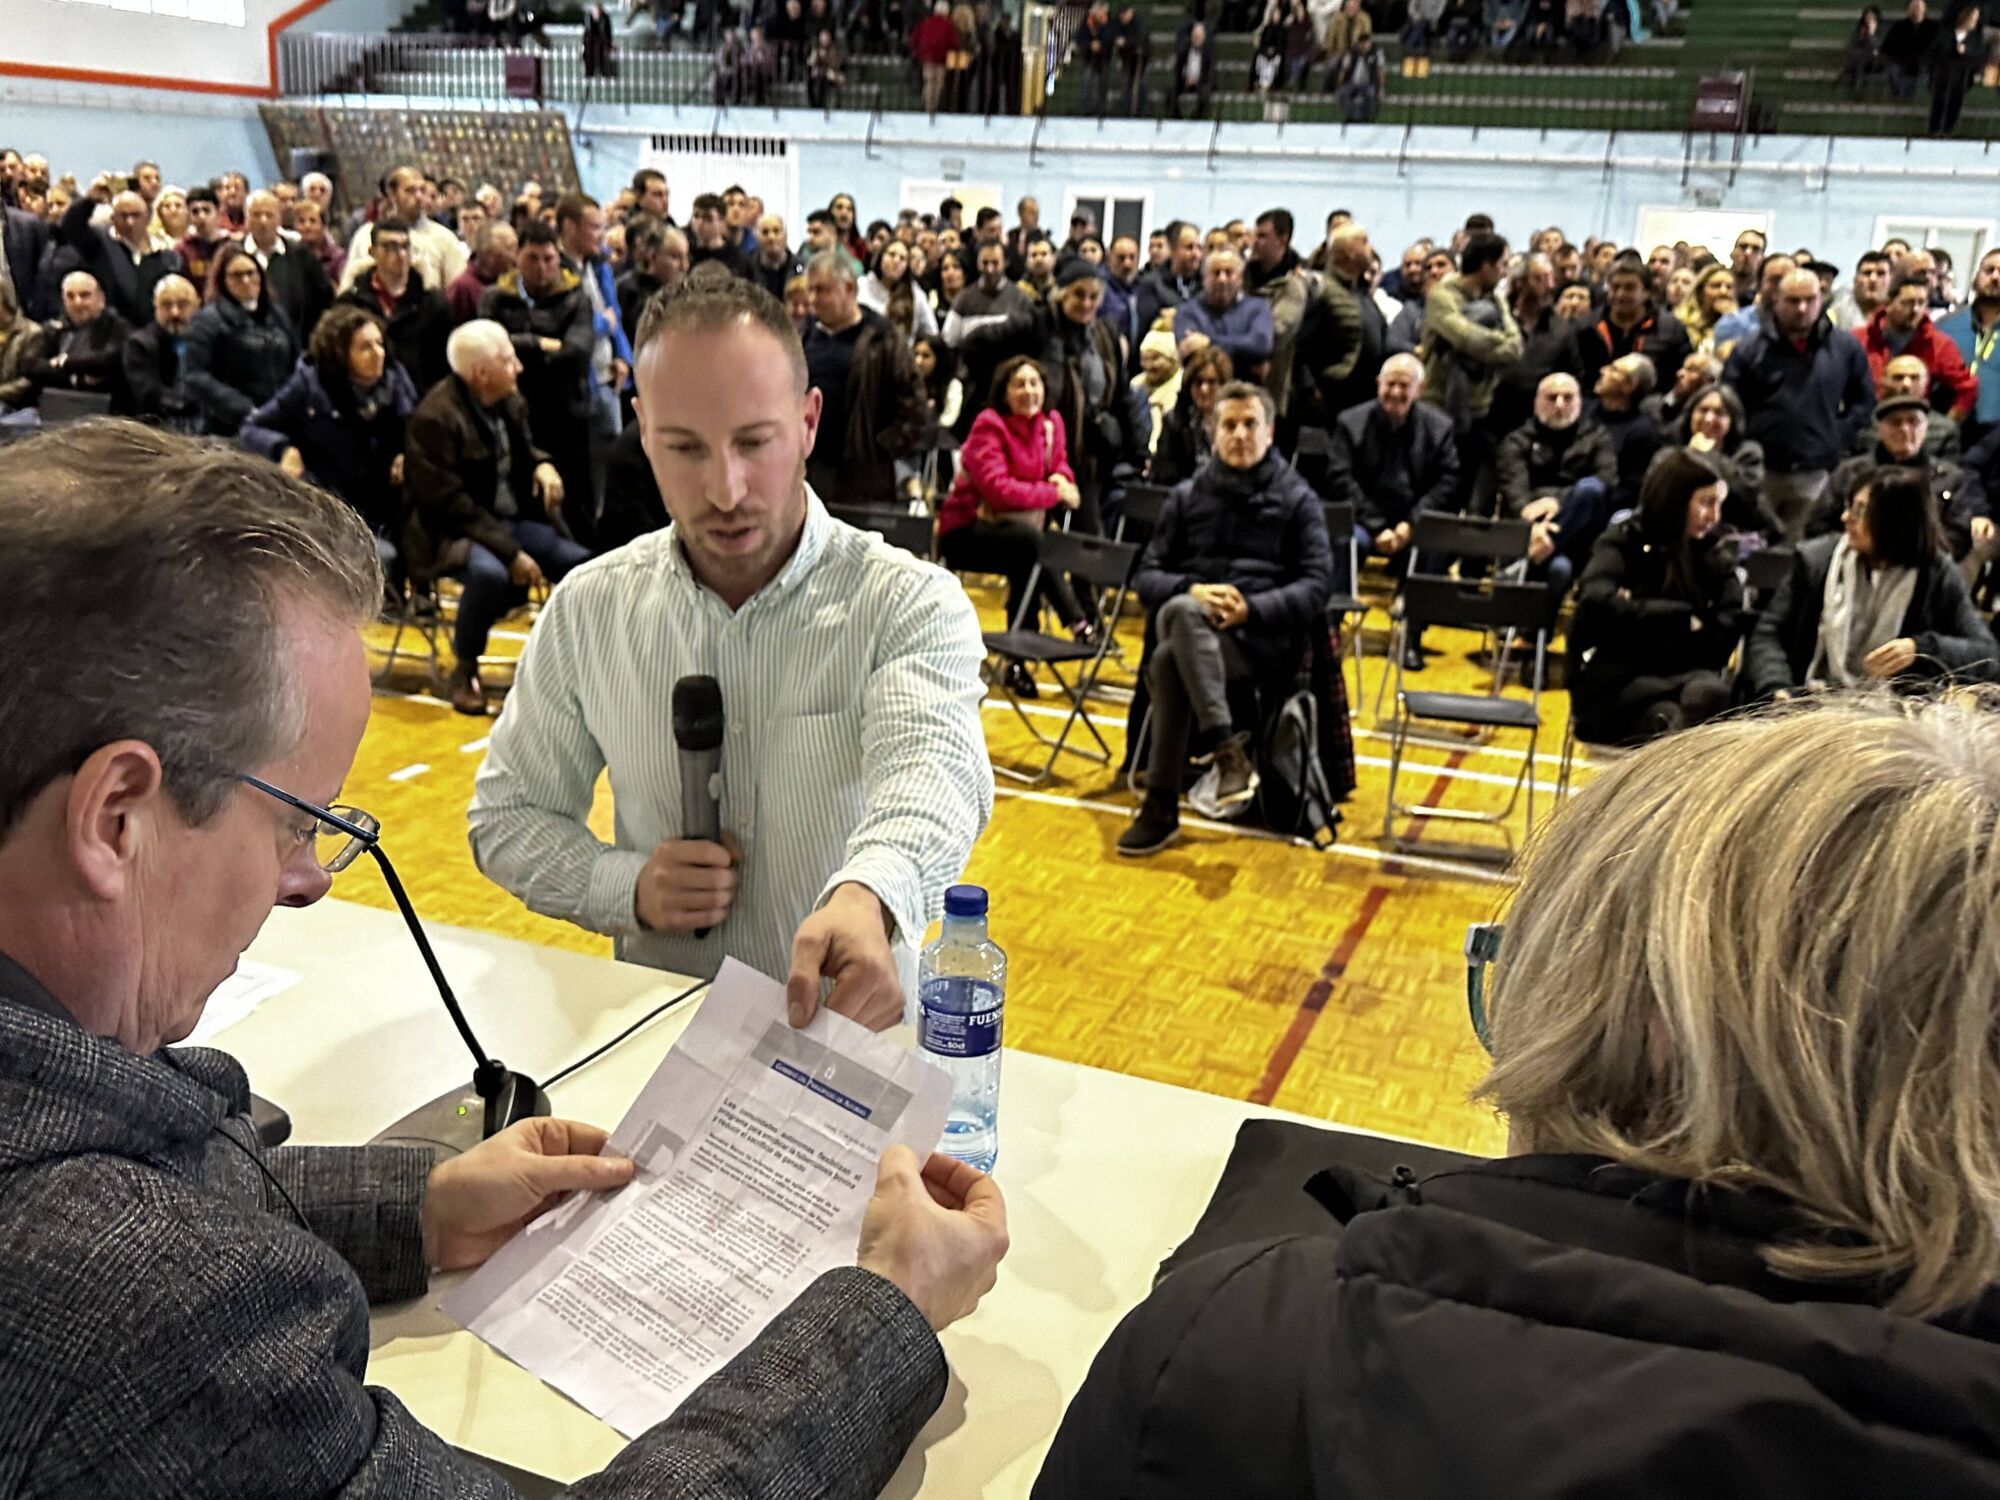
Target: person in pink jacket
(1012,472)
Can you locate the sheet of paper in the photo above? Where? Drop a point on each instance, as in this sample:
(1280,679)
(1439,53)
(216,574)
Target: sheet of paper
(756,1148)
(242,992)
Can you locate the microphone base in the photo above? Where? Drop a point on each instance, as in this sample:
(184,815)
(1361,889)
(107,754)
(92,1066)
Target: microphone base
(453,1123)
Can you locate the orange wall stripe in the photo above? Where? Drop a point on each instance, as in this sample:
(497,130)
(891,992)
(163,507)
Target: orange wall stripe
(267,90)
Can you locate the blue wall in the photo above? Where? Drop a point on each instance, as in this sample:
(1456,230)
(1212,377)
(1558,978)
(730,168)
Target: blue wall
(1826,194)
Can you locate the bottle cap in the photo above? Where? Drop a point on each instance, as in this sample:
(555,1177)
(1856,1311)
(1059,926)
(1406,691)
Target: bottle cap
(965,901)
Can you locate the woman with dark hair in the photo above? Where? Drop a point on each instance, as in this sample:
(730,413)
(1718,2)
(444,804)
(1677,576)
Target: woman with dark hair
(1185,436)
(1864,52)
(944,281)
(1657,612)
(1711,430)
(1880,603)
(240,347)
(339,420)
(1013,471)
(889,289)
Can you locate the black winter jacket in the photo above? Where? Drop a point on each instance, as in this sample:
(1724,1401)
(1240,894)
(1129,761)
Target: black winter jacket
(419,325)
(450,478)
(1392,474)
(1950,635)
(1534,460)
(556,385)
(1956,490)
(351,454)
(1804,407)
(1538,1328)
(1629,623)
(236,359)
(1261,529)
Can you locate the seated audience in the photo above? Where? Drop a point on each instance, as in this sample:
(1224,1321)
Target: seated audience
(339,421)
(484,499)
(1668,408)
(1902,328)
(1746,1209)
(84,349)
(388,285)
(1013,474)
(1657,612)
(1188,435)
(1222,316)
(1393,459)
(187,1310)
(1558,471)
(295,279)
(1236,574)
(1958,494)
(126,258)
(1159,382)
(155,359)
(240,348)
(870,412)
(1712,432)
(936,364)
(1879,603)
(495,252)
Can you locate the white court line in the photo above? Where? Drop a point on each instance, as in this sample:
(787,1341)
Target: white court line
(409,773)
(473,747)
(423,698)
(1346,851)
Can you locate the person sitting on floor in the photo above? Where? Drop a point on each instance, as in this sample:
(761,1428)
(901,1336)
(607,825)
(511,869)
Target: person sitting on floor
(1740,1024)
(1880,603)
(484,499)
(1393,459)
(1657,612)
(1237,571)
(1013,474)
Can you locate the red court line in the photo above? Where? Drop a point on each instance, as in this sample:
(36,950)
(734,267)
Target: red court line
(1287,1050)
(265,90)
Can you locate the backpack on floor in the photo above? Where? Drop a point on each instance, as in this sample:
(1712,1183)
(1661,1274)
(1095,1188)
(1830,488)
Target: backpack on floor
(1294,797)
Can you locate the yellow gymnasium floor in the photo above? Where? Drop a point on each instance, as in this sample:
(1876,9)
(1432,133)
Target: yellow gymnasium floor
(1327,983)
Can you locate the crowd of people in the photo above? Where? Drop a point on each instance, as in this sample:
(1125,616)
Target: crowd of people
(1945,53)
(460,372)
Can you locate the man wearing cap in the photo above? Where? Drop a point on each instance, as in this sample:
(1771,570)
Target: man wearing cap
(1901,423)
(1905,375)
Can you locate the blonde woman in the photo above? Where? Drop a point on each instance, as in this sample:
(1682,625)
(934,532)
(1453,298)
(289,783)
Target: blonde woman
(1744,1025)
(1713,299)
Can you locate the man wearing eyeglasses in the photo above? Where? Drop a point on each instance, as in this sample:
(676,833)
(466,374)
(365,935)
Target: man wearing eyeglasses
(389,285)
(185,1312)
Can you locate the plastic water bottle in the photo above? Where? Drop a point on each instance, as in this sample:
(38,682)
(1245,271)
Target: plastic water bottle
(961,988)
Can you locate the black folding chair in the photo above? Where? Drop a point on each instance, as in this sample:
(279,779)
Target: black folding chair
(1106,567)
(1440,538)
(1141,516)
(894,524)
(1762,571)
(1312,455)
(1346,603)
(1429,599)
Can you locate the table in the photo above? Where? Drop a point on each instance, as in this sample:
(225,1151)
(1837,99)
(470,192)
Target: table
(1103,1174)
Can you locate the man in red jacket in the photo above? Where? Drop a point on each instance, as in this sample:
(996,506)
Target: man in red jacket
(1902,325)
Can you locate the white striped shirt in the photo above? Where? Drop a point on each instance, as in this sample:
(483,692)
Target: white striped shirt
(854,752)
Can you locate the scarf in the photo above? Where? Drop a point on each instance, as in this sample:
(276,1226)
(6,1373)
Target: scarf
(1859,611)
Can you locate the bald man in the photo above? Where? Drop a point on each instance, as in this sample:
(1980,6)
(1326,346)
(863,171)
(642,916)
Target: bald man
(125,260)
(152,360)
(89,343)
(1807,391)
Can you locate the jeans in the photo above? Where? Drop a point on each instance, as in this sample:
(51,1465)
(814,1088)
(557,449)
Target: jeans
(605,425)
(490,592)
(1580,518)
(1191,668)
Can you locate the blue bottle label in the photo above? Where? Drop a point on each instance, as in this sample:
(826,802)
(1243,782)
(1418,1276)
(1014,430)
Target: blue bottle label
(954,1020)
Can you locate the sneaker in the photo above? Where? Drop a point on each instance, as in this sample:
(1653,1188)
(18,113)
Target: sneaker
(1235,773)
(1158,825)
(467,694)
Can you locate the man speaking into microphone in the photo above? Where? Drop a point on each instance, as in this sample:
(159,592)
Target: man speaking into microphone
(853,776)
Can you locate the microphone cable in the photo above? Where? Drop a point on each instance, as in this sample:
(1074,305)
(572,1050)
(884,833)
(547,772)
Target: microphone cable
(652,1015)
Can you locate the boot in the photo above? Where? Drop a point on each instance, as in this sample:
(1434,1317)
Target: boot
(1157,826)
(467,695)
(1235,773)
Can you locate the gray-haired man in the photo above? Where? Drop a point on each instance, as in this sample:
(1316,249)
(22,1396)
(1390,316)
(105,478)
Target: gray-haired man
(185,1312)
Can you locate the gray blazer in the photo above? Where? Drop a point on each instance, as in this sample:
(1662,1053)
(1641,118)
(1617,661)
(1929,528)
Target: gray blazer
(167,1328)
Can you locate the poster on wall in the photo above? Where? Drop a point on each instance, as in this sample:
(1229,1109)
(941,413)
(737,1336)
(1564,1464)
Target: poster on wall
(1714,228)
(924,194)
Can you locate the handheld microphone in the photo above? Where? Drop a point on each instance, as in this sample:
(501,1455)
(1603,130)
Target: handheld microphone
(697,708)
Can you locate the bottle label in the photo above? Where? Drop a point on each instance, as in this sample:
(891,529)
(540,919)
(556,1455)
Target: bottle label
(955,1018)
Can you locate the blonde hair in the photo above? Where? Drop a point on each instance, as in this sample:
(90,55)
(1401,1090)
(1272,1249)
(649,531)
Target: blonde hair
(1766,954)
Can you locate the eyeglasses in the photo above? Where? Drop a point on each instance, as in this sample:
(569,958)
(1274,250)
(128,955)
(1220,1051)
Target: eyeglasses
(1482,946)
(339,834)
